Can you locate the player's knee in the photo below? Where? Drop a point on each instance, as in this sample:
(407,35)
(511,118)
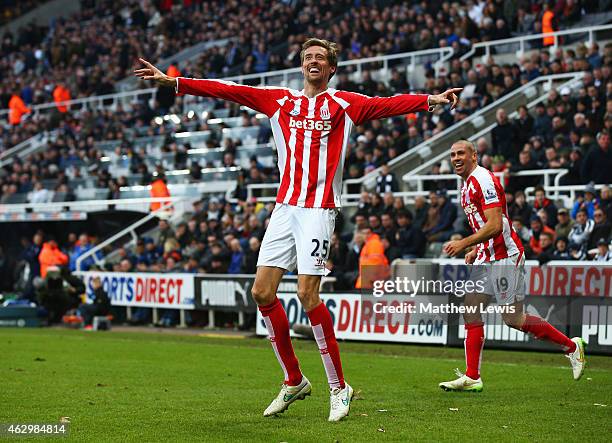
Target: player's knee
(471,317)
(309,299)
(513,320)
(262,295)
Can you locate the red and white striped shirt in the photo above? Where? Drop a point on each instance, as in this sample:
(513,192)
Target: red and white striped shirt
(482,190)
(311,134)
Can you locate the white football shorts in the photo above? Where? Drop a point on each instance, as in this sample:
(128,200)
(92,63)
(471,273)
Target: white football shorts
(298,237)
(503,278)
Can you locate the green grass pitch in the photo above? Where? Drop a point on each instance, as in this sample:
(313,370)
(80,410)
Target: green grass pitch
(163,387)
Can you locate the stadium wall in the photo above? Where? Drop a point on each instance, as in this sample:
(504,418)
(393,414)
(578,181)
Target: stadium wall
(575,297)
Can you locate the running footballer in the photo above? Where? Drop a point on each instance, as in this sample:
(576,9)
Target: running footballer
(498,259)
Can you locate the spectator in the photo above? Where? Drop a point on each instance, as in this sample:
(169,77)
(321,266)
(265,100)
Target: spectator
(603,251)
(409,240)
(541,202)
(337,255)
(521,229)
(574,167)
(605,201)
(386,181)
(537,229)
(597,165)
(387,224)
(525,163)
(165,231)
(581,232)
(125,265)
(392,252)
(39,194)
(236,259)
(100,305)
(523,125)
(588,202)
(601,229)
(448,214)
(420,211)
(375,224)
(502,136)
(547,249)
(564,223)
(520,208)
(561,250)
(82,247)
(542,124)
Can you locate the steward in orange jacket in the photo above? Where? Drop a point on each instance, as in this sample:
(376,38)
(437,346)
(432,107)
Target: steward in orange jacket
(373,263)
(61,94)
(51,255)
(548,26)
(17,108)
(159,189)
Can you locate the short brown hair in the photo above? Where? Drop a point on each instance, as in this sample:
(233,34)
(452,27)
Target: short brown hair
(466,144)
(332,51)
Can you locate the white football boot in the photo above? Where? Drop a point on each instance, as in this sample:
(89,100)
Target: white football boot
(463,383)
(577,358)
(287,395)
(340,402)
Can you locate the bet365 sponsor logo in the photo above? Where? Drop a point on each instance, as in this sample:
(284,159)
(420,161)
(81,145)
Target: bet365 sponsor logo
(470,209)
(310,124)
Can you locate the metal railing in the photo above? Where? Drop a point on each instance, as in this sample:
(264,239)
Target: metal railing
(551,180)
(444,55)
(442,155)
(523,40)
(131,230)
(562,192)
(424,153)
(142,204)
(92,102)
(546,173)
(26,147)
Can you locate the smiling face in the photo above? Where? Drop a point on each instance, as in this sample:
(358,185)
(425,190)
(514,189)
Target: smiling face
(463,158)
(315,65)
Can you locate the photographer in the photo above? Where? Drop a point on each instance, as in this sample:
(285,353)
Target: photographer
(58,292)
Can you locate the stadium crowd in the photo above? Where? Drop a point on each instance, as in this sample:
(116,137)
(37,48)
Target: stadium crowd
(78,56)
(560,133)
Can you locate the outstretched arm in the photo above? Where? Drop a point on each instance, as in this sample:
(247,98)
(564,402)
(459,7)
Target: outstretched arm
(150,72)
(363,108)
(260,99)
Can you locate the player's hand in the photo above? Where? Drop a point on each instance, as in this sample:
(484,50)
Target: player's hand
(448,96)
(470,257)
(454,248)
(150,72)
